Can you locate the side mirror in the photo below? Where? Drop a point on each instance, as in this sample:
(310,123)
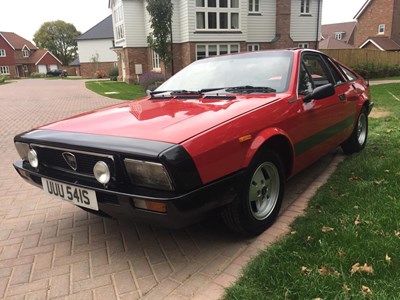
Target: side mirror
(320,92)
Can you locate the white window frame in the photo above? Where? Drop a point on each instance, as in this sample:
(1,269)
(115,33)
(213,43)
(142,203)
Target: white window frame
(202,9)
(25,68)
(254,6)
(3,53)
(253,47)
(155,58)
(303,45)
(229,49)
(5,70)
(339,36)
(381,29)
(118,16)
(305,7)
(25,53)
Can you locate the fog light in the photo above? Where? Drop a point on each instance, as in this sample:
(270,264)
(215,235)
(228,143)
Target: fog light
(33,158)
(102,172)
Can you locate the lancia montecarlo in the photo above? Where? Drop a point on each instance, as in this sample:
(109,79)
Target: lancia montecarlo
(223,135)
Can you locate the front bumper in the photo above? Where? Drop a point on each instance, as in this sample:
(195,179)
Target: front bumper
(182,209)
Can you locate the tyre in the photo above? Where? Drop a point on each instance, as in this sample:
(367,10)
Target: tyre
(258,204)
(358,138)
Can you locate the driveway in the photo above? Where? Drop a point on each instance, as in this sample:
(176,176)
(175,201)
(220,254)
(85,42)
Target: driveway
(51,249)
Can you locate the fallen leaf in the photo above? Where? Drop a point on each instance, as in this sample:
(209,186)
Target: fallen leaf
(387,171)
(327,229)
(366,290)
(357,220)
(388,259)
(397,233)
(357,267)
(293,232)
(328,271)
(309,238)
(305,270)
(341,253)
(355,178)
(379,182)
(346,288)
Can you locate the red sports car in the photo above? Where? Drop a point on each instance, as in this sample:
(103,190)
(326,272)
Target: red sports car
(222,134)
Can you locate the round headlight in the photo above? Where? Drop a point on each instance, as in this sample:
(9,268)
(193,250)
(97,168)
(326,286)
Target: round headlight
(33,158)
(102,172)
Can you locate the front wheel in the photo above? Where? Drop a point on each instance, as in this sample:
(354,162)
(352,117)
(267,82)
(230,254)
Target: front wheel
(358,139)
(258,204)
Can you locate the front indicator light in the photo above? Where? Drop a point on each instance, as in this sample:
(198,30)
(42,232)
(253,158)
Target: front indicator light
(148,174)
(101,172)
(33,158)
(150,205)
(22,149)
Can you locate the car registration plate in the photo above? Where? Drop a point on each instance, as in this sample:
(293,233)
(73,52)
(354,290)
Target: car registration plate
(79,196)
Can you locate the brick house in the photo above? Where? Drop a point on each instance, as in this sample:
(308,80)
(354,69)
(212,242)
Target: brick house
(338,35)
(94,48)
(19,57)
(378,25)
(202,28)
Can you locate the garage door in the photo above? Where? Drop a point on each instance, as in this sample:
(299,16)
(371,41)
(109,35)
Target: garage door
(53,67)
(42,69)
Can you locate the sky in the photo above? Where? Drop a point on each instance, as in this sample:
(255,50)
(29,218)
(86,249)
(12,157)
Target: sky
(24,17)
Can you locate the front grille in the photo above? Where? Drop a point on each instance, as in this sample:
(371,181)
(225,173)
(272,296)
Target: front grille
(52,158)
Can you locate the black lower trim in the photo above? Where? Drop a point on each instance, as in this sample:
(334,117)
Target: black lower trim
(182,209)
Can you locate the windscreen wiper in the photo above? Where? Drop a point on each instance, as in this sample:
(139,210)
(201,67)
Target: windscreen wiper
(185,92)
(250,89)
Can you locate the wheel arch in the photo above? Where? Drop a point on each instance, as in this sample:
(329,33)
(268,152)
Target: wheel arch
(276,140)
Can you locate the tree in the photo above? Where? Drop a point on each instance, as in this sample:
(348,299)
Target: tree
(160,39)
(59,38)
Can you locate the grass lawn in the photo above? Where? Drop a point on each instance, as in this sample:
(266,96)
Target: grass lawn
(116,90)
(347,246)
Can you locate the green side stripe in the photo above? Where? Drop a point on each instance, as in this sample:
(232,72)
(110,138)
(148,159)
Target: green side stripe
(321,136)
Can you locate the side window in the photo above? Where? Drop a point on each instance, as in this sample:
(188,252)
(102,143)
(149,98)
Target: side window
(317,69)
(305,84)
(348,74)
(337,76)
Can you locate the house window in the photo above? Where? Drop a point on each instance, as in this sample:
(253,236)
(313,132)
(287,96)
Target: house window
(254,6)
(339,35)
(305,7)
(381,29)
(4,70)
(303,45)
(203,51)
(118,16)
(156,61)
(217,15)
(2,53)
(25,68)
(253,47)
(25,53)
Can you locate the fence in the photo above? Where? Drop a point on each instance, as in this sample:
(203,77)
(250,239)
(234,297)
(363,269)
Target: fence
(354,57)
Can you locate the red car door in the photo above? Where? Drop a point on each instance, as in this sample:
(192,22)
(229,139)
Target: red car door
(326,122)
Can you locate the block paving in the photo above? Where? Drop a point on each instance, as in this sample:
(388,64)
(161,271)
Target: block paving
(50,249)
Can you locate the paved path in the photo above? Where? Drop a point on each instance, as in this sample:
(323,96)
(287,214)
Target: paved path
(50,249)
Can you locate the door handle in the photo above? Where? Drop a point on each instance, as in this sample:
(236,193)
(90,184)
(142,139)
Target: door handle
(342,97)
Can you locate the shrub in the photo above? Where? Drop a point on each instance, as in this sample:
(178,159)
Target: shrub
(113,73)
(372,70)
(2,78)
(37,75)
(151,80)
(100,74)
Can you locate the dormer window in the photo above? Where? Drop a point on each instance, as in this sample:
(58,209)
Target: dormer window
(3,53)
(381,29)
(339,35)
(25,53)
